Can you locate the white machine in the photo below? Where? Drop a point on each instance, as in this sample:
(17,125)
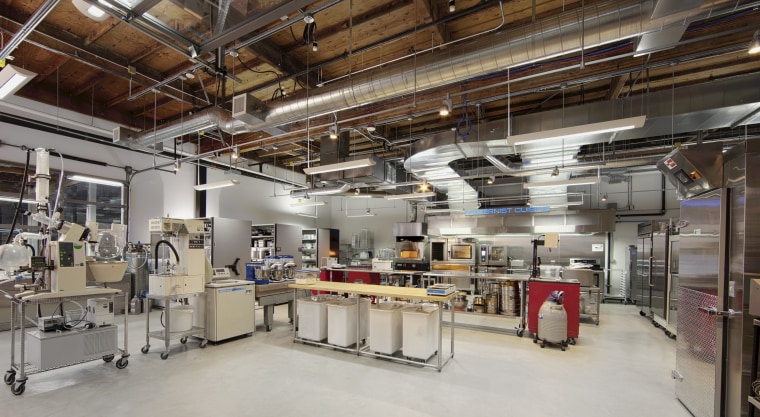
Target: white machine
(186,241)
(100,311)
(70,272)
(230,309)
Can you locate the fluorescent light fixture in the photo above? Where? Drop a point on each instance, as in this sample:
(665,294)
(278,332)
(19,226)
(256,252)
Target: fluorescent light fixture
(363,215)
(754,45)
(218,184)
(409,196)
(15,200)
(340,166)
(12,79)
(92,180)
(308,204)
(313,216)
(562,183)
(93,12)
(581,130)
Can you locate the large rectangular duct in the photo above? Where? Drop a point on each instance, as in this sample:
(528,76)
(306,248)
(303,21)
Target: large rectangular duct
(250,110)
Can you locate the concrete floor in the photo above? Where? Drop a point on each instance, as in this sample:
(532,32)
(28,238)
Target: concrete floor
(620,368)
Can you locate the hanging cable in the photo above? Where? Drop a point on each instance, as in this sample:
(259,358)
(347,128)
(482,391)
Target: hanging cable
(20,198)
(464,120)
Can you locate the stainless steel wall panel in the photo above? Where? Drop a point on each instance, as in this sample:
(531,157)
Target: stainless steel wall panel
(700,239)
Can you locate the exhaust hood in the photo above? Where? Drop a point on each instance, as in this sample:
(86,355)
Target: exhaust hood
(695,169)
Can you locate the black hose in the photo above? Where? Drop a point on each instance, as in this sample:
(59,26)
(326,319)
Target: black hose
(155,254)
(20,198)
(34,252)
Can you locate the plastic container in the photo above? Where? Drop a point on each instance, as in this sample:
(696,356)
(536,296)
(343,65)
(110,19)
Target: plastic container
(341,318)
(420,331)
(385,328)
(312,317)
(181,319)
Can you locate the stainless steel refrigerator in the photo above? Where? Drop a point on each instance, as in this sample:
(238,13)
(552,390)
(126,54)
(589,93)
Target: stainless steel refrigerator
(650,282)
(719,238)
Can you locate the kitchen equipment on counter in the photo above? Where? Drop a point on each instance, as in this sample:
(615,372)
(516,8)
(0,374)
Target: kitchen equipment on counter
(479,304)
(410,247)
(509,297)
(492,255)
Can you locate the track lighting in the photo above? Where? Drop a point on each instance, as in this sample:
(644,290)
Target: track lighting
(452,6)
(371,128)
(235,153)
(446,106)
(193,52)
(357,191)
(490,180)
(425,186)
(754,45)
(334,131)
(527,203)
(314,46)
(604,197)
(177,165)
(308,19)
(555,171)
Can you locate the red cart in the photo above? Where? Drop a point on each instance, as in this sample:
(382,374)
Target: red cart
(539,290)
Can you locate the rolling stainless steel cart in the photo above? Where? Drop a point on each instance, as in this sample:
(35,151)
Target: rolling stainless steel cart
(166,334)
(45,351)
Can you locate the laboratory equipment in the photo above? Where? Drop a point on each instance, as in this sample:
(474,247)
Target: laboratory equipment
(552,322)
(100,311)
(231,308)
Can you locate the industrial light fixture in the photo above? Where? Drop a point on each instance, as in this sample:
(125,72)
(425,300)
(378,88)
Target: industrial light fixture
(367,213)
(308,19)
(340,166)
(452,6)
(93,12)
(218,184)
(446,106)
(754,45)
(562,183)
(409,196)
(313,216)
(604,197)
(425,186)
(93,180)
(12,79)
(555,171)
(371,128)
(357,191)
(314,46)
(177,165)
(581,130)
(490,180)
(444,210)
(527,203)
(193,51)
(334,131)
(235,153)
(302,203)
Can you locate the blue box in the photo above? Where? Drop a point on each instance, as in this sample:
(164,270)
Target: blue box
(261,281)
(250,270)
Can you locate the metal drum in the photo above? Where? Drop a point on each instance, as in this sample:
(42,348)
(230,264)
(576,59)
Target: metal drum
(137,257)
(492,303)
(510,298)
(479,305)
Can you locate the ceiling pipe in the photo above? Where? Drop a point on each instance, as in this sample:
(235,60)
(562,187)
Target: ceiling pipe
(306,193)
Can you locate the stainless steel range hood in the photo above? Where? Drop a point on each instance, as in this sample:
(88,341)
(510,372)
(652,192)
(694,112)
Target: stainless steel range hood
(695,169)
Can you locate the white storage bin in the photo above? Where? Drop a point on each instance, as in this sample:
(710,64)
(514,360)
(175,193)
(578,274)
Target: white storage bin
(341,318)
(312,317)
(181,319)
(420,335)
(385,330)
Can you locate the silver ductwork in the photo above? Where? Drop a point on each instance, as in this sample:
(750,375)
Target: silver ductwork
(308,192)
(597,24)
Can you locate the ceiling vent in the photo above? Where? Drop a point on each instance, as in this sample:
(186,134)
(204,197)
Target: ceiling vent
(252,111)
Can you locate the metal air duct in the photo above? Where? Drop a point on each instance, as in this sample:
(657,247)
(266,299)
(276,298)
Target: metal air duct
(306,193)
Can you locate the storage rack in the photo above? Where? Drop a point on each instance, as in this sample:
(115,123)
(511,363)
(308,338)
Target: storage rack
(381,291)
(262,241)
(17,376)
(309,249)
(166,334)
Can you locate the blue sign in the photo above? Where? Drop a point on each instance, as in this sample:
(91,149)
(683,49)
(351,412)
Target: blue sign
(507,210)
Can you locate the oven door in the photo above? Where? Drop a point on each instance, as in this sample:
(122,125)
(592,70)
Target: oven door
(462,252)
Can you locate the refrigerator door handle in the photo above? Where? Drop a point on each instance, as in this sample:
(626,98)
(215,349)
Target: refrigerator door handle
(651,262)
(712,311)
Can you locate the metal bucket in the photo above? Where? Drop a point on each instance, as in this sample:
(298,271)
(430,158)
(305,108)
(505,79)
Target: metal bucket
(492,303)
(479,305)
(510,298)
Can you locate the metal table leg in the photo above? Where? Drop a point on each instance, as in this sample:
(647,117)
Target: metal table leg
(268,316)
(453,325)
(295,320)
(358,322)
(440,335)
(22,353)
(14,306)
(167,323)
(147,324)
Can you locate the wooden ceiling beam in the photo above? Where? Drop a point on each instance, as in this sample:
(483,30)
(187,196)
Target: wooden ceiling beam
(89,84)
(101,29)
(431,9)
(51,68)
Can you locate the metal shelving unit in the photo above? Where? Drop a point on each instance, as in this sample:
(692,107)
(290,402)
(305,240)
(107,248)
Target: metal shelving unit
(50,352)
(166,334)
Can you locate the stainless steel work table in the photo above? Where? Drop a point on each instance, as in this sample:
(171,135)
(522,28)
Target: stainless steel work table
(521,279)
(380,291)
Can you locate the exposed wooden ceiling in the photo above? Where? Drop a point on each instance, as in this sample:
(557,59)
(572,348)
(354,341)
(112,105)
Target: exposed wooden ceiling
(114,70)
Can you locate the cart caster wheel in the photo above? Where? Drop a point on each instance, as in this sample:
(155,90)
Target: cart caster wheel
(562,348)
(108,358)
(642,314)
(672,336)
(203,344)
(183,340)
(667,333)
(122,363)
(535,340)
(18,389)
(572,341)
(520,333)
(9,378)
(145,349)
(542,345)
(269,328)
(656,325)
(164,355)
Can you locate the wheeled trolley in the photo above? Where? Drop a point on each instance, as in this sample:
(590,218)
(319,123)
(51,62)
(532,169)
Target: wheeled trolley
(40,351)
(166,334)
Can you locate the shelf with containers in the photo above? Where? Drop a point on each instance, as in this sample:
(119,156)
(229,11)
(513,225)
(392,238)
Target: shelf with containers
(309,249)
(262,241)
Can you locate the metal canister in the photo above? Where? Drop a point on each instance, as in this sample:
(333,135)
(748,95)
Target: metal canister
(492,303)
(479,305)
(510,298)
